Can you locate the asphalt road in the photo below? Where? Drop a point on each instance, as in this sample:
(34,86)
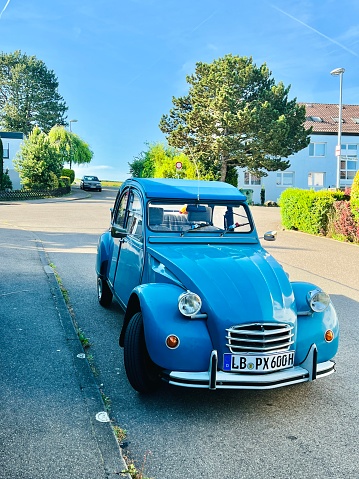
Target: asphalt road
(304,431)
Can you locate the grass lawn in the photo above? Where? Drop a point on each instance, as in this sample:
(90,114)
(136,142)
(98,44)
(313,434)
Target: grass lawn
(114,184)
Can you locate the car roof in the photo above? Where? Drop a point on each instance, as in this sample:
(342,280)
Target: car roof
(186,189)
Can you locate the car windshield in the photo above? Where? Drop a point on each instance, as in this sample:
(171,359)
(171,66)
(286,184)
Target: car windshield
(199,217)
(91,178)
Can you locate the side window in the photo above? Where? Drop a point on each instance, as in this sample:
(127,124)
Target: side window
(121,212)
(134,221)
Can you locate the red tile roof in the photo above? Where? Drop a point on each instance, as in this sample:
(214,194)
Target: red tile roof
(326,113)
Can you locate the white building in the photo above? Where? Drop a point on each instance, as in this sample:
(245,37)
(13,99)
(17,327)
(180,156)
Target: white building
(11,142)
(315,167)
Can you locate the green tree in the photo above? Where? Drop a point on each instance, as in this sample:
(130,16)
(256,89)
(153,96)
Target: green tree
(236,115)
(38,162)
(159,161)
(70,146)
(29,94)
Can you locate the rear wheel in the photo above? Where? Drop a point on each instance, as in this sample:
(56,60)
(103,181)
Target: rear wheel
(142,372)
(104,294)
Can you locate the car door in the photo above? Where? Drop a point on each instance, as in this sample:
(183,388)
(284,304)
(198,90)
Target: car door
(118,232)
(130,256)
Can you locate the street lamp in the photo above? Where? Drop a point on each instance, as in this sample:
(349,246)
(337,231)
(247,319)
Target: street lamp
(71,121)
(339,72)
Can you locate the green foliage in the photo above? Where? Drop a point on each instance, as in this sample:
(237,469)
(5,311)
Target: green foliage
(263,195)
(37,162)
(69,173)
(235,114)
(159,161)
(70,146)
(307,210)
(6,183)
(232,176)
(354,197)
(28,94)
(64,181)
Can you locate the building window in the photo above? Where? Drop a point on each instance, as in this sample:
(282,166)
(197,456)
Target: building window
(6,151)
(285,178)
(317,119)
(351,148)
(251,180)
(317,149)
(316,179)
(348,168)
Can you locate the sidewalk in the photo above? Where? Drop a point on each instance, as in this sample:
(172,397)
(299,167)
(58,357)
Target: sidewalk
(49,399)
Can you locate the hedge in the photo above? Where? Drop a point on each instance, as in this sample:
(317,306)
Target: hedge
(308,210)
(33,194)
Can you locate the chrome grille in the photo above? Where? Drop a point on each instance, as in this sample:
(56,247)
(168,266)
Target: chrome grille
(259,337)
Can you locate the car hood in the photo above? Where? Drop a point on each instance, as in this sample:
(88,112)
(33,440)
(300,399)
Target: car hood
(238,284)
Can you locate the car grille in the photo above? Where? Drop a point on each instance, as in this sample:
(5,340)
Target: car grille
(260,337)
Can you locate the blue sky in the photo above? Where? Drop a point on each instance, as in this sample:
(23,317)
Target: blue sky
(119,62)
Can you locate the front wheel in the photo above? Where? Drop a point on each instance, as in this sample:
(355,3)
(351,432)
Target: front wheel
(142,372)
(104,294)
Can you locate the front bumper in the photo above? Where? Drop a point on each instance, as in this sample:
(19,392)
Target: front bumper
(214,379)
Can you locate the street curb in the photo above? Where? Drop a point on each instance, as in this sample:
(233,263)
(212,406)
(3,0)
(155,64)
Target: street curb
(108,446)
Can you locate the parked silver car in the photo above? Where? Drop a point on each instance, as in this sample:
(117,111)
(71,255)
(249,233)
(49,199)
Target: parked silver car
(90,183)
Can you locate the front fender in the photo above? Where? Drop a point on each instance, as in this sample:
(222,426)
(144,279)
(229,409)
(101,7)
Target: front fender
(158,303)
(103,254)
(312,326)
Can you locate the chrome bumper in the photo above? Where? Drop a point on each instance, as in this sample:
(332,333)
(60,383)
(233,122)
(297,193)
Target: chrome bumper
(308,370)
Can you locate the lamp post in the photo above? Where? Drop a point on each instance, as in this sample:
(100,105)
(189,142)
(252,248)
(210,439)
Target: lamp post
(71,121)
(339,72)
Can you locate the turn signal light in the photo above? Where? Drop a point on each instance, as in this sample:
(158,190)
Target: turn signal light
(172,341)
(329,335)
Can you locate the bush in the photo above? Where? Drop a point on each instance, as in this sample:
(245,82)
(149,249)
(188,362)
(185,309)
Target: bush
(308,210)
(354,197)
(345,226)
(6,183)
(263,195)
(295,209)
(64,181)
(69,173)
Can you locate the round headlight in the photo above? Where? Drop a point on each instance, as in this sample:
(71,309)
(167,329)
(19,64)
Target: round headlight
(318,300)
(189,303)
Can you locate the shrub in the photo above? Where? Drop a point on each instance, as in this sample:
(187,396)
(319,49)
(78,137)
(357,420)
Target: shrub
(69,173)
(354,197)
(295,209)
(6,183)
(307,210)
(64,181)
(263,195)
(344,222)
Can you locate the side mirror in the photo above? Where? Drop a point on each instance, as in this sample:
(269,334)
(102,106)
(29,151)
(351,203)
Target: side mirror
(270,236)
(117,233)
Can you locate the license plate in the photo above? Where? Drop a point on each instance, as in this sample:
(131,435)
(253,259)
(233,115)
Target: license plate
(258,363)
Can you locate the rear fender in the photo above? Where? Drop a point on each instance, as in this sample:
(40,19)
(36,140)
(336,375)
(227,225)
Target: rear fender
(312,326)
(158,303)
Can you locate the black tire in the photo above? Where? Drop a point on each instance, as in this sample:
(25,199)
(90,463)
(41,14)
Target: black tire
(142,373)
(104,294)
